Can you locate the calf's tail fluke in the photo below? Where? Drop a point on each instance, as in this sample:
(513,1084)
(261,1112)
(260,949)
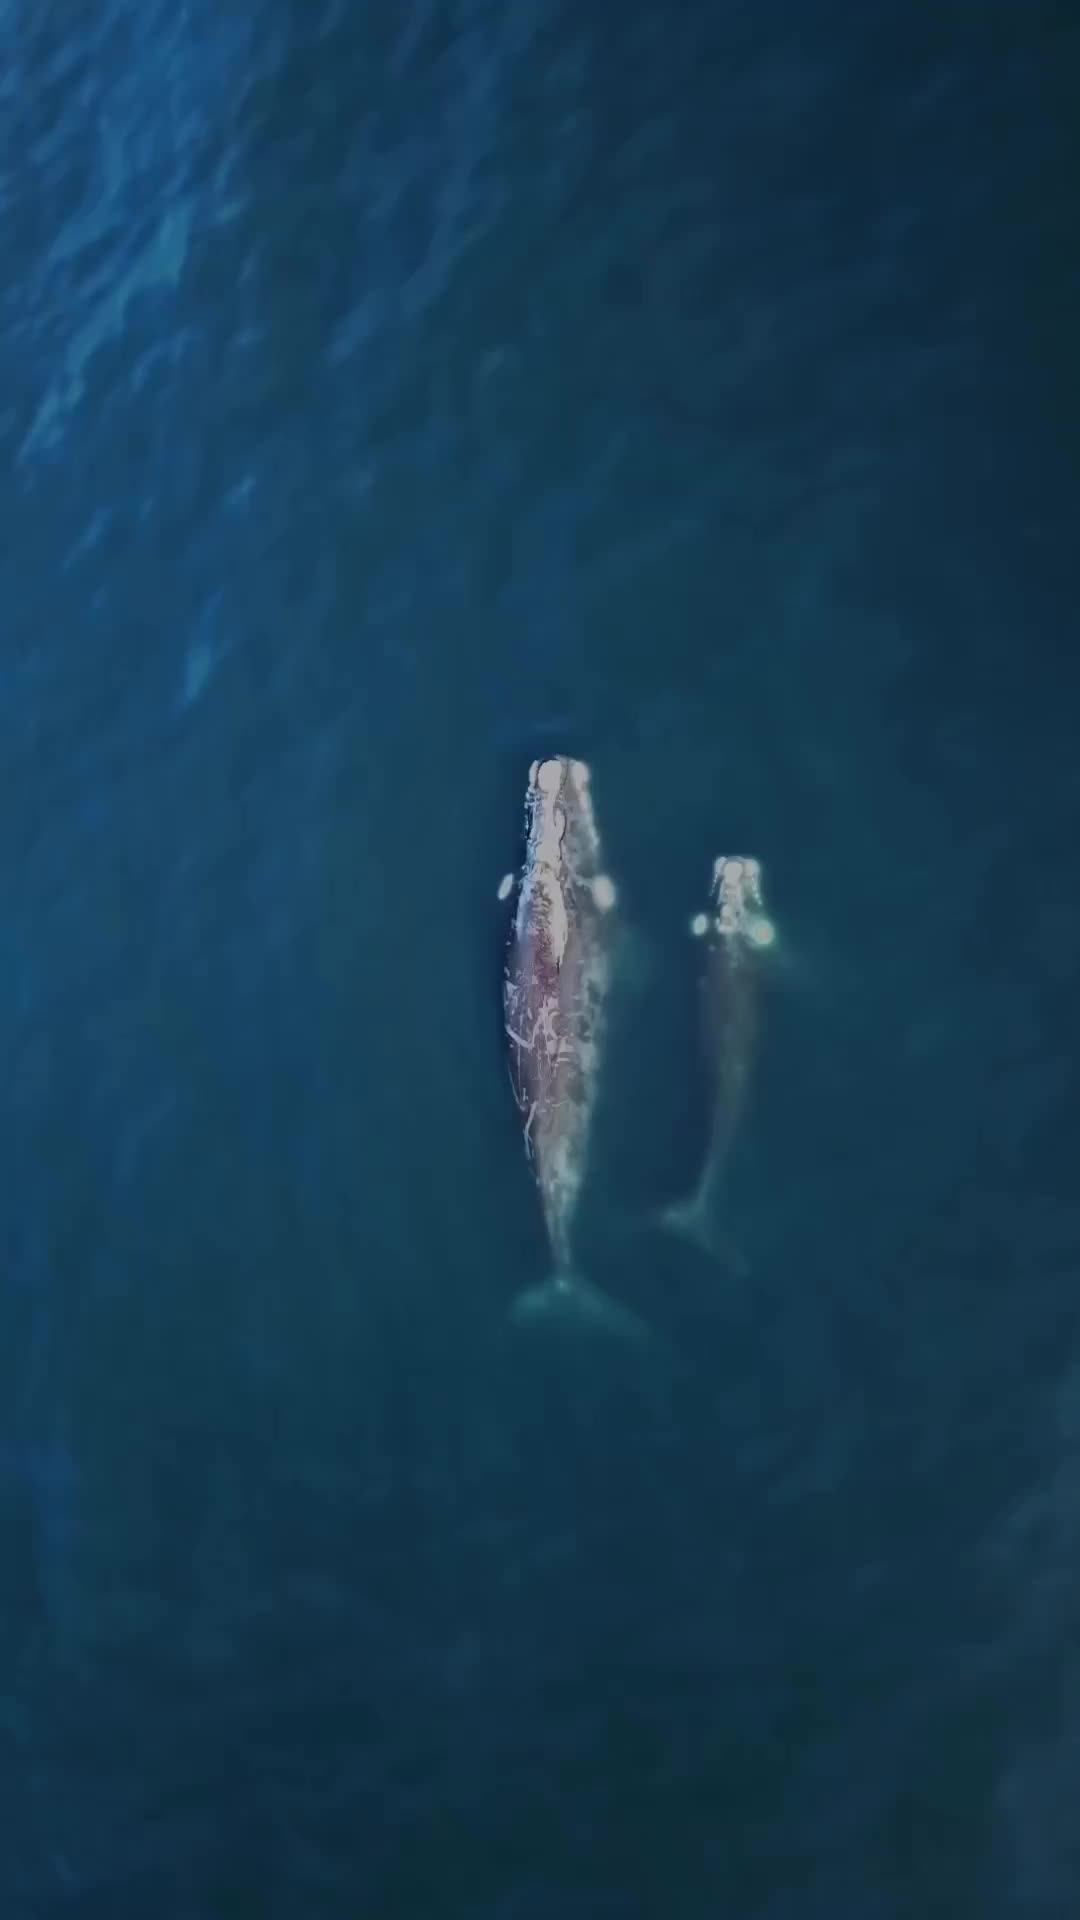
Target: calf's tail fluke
(691,1219)
(694,1222)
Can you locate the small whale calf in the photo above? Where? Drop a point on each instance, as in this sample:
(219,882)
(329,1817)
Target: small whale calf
(736,934)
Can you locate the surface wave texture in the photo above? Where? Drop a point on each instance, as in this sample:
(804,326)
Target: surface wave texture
(388,394)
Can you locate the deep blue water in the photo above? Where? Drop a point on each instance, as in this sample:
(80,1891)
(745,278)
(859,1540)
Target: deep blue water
(389,392)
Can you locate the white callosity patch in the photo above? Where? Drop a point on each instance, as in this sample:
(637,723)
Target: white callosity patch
(561,825)
(563,849)
(737,891)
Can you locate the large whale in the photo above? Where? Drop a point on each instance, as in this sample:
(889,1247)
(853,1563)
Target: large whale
(735,933)
(559,966)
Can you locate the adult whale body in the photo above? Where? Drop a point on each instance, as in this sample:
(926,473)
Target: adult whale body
(559,965)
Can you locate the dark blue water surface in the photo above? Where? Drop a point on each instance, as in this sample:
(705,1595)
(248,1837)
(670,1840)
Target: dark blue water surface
(389,392)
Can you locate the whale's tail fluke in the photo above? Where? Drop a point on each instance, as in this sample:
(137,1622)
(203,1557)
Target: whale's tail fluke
(695,1220)
(691,1220)
(566,1299)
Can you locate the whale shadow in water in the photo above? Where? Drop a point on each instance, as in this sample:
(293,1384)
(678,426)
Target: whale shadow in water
(681,1291)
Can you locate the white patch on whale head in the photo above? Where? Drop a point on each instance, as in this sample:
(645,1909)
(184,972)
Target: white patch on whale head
(564,847)
(737,891)
(549,830)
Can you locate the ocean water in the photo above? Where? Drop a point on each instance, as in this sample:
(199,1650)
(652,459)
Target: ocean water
(390,392)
